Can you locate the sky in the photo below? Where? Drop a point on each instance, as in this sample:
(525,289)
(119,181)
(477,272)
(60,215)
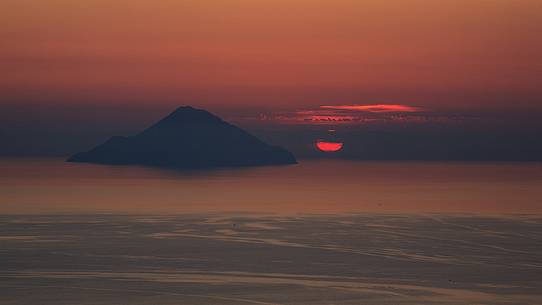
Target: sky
(376,71)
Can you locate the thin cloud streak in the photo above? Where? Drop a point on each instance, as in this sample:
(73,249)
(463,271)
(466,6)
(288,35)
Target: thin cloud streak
(359,114)
(377,108)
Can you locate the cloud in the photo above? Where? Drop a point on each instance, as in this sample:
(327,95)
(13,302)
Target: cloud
(374,114)
(378,108)
(350,114)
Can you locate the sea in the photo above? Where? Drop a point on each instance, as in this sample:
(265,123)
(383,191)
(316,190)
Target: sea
(50,185)
(322,232)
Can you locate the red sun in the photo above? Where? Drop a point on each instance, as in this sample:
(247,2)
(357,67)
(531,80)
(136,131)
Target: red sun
(329,146)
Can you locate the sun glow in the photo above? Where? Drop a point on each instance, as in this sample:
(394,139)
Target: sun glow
(329,146)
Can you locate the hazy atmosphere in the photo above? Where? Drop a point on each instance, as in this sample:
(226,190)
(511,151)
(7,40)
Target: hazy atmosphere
(75,73)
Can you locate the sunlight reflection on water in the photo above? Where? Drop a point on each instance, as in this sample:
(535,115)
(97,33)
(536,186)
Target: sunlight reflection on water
(315,186)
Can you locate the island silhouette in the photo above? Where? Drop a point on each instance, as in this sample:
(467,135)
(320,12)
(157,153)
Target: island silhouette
(188,138)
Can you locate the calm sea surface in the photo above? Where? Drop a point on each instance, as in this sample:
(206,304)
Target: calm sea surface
(317,233)
(52,186)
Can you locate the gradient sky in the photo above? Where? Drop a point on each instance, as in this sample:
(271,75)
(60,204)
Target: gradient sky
(248,59)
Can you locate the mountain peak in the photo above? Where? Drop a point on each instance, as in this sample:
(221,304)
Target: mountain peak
(185,109)
(191,114)
(182,118)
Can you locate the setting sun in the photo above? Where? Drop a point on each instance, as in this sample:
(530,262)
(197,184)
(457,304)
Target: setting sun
(329,146)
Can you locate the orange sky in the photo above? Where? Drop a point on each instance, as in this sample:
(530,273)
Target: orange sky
(273,53)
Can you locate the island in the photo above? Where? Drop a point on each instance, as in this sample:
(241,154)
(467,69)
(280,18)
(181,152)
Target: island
(188,138)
